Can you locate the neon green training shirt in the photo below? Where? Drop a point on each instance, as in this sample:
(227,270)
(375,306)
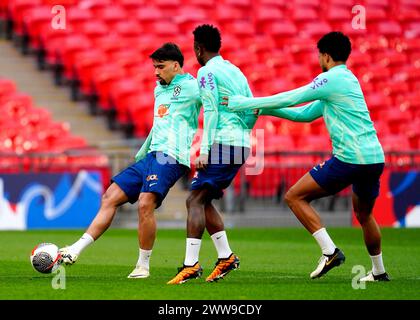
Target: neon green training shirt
(175,123)
(339,98)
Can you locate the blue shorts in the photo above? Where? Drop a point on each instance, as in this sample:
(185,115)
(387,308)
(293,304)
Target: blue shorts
(223,164)
(150,175)
(335,175)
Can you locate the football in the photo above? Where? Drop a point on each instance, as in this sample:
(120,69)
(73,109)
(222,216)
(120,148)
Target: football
(45,257)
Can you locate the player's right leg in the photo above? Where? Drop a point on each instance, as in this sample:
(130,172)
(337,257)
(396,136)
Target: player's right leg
(125,187)
(298,199)
(111,200)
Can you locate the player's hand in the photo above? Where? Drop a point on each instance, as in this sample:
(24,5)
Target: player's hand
(202,161)
(225,101)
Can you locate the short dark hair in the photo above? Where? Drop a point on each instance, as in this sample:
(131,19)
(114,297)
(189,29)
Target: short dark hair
(336,44)
(209,37)
(169,51)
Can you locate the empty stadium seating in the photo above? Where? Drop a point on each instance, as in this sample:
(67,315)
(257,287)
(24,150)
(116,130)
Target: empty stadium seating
(104,54)
(31,140)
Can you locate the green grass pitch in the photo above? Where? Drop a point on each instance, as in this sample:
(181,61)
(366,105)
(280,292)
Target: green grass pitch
(275,265)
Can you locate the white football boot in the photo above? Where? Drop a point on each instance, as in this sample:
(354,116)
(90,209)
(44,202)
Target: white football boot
(327,262)
(139,272)
(67,257)
(370,277)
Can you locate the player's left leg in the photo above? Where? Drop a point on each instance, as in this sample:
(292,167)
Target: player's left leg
(227,260)
(365,192)
(146,233)
(196,224)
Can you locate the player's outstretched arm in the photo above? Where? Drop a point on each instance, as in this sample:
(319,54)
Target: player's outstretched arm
(319,89)
(306,113)
(141,154)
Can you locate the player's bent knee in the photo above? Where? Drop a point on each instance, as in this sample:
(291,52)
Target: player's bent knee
(194,200)
(147,202)
(290,198)
(109,199)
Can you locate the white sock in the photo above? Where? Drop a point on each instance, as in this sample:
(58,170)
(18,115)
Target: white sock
(144,258)
(377,264)
(192,252)
(221,243)
(324,241)
(81,244)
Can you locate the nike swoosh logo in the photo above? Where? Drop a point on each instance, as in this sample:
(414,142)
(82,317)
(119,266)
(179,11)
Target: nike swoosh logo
(194,244)
(218,237)
(329,261)
(152,184)
(193,182)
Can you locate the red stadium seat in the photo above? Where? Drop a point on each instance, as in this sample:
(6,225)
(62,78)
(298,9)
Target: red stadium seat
(131,6)
(304,14)
(189,17)
(358,60)
(282,32)
(33,22)
(395,143)
(336,15)
(318,127)
(389,29)
(85,63)
(103,81)
(95,6)
(315,29)
(409,47)
(372,43)
(77,16)
(393,89)
(412,132)
(302,49)
(391,59)
(7,87)
(299,74)
(396,119)
(17,10)
(315,143)
(382,127)
(112,15)
(264,16)
(279,61)
(120,95)
(411,103)
(378,74)
(412,30)
(410,75)
(94,29)
(376,102)
(67,50)
(16,105)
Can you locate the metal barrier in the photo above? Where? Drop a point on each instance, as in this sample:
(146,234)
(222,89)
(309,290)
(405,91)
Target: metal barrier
(266,190)
(262,192)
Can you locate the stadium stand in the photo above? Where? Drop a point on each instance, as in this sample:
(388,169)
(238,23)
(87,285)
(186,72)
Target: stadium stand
(31,141)
(103,55)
